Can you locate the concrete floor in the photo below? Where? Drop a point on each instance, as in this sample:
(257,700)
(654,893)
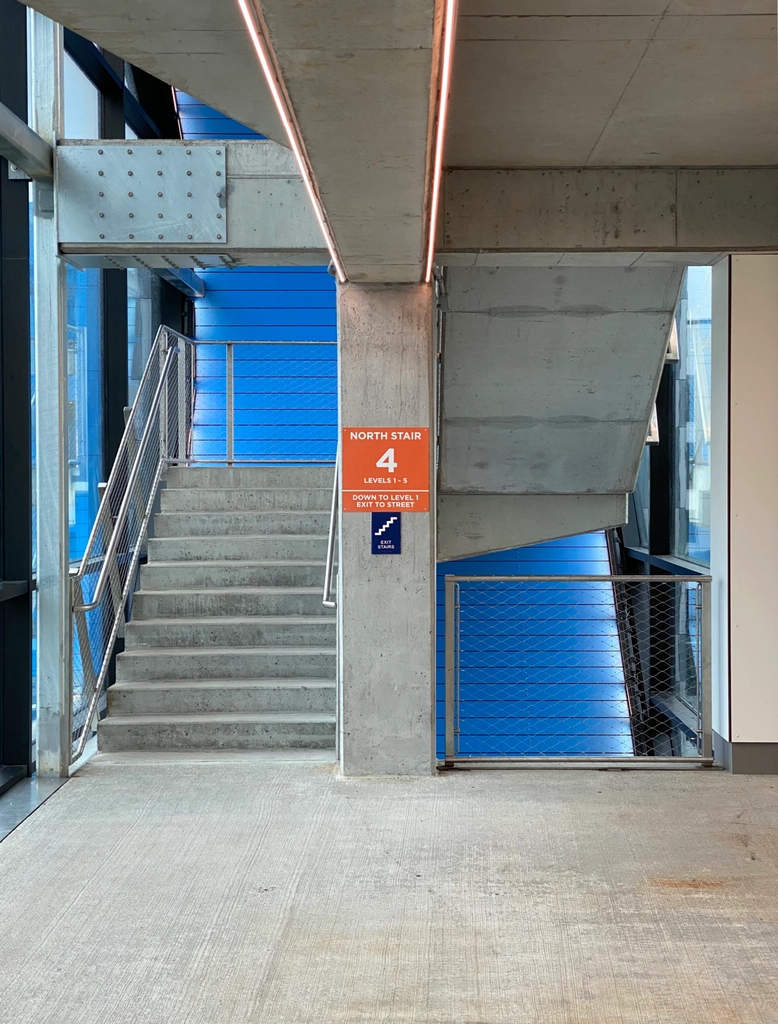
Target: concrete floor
(244,890)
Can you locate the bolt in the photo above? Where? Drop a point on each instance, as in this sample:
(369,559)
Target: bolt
(129,151)
(189,174)
(130,194)
(101,194)
(101,173)
(130,173)
(132,214)
(189,152)
(218,236)
(159,173)
(159,152)
(188,236)
(102,236)
(189,195)
(132,236)
(100,152)
(160,216)
(218,152)
(159,194)
(160,236)
(102,214)
(218,174)
(189,215)
(218,195)
(218,216)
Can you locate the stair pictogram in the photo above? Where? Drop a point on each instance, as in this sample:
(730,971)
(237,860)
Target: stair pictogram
(387,524)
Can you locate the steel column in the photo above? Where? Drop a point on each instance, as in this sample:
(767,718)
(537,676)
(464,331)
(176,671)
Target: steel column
(51,404)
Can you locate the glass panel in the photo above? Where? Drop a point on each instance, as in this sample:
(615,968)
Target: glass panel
(82,104)
(691,490)
(643,497)
(140,326)
(85,403)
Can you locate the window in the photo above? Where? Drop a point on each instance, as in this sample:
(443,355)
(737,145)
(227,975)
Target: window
(692,411)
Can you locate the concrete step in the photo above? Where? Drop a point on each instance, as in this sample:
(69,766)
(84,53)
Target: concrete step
(216,732)
(281,547)
(209,575)
(177,604)
(249,696)
(205,499)
(249,477)
(215,663)
(255,631)
(231,524)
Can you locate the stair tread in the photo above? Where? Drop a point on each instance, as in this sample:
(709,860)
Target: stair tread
(215,684)
(261,591)
(210,620)
(223,716)
(198,652)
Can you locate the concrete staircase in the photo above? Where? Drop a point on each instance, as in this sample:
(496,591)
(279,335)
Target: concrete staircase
(229,647)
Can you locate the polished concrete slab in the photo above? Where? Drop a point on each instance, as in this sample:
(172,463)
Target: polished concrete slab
(270,891)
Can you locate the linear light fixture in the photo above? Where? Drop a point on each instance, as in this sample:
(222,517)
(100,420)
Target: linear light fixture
(449,33)
(261,47)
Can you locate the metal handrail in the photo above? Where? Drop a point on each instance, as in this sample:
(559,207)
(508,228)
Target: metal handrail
(330,563)
(121,517)
(157,409)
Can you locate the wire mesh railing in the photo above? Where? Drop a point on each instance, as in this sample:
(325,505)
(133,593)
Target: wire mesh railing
(265,402)
(158,431)
(578,668)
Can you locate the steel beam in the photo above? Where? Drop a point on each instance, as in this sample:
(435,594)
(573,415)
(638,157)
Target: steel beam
(20,145)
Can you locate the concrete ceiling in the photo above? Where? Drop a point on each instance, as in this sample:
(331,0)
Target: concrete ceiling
(574,83)
(549,376)
(358,75)
(199,46)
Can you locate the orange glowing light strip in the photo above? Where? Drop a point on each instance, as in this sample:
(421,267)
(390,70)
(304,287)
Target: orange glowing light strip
(291,131)
(445,82)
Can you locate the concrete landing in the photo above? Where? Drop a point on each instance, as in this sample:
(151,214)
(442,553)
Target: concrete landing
(243,889)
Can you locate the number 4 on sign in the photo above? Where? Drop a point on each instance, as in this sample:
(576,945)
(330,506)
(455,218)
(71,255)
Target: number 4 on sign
(387,461)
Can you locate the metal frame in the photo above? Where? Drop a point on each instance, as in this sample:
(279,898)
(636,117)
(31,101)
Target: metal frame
(15,442)
(705,734)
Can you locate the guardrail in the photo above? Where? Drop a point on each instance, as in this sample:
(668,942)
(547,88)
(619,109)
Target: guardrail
(158,431)
(553,670)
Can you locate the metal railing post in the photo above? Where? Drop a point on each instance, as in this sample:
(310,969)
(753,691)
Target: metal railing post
(330,562)
(706,703)
(182,404)
(450,620)
(230,384)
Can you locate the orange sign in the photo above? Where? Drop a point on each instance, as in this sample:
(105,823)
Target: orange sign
(386,468)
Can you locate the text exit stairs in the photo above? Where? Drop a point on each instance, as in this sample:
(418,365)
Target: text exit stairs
(229,647)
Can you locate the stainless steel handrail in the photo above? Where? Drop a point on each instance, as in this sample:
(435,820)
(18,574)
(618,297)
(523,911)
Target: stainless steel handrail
(330,563)
(162,359)
(113,543)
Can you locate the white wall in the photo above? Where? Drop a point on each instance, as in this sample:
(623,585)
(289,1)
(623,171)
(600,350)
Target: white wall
(745,498)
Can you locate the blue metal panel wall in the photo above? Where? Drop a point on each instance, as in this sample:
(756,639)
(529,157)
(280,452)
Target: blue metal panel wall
(590,689)
(286,388)
(201,122)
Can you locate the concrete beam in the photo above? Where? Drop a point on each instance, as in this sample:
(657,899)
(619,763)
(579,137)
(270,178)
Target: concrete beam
(475,524)
(610,209)
(20,145)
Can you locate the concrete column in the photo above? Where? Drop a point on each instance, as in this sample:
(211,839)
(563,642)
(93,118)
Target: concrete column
(744,500)
(386,602)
